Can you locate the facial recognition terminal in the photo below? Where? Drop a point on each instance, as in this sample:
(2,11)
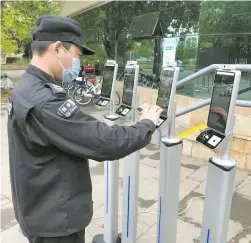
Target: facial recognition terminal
(130,88)
(221,119)
(108,83)
(221,168)
(166,93)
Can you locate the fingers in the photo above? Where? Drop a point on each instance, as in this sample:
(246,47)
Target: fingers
(159,111)
(155,108)
(145,105)
(142,103)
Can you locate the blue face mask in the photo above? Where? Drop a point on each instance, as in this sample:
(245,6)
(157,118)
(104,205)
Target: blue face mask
(70,75)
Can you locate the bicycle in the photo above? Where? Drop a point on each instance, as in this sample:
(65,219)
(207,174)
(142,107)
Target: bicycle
(76,83)
(71,87)
(145,80)
(86,91)
(148,81)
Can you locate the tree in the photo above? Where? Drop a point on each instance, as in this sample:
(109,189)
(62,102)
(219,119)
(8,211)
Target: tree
(226,24)
(143,48)
(187,50)
(100,57)
(109,24)
(18,18)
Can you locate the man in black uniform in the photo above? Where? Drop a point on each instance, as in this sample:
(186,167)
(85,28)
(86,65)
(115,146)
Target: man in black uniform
(51,140)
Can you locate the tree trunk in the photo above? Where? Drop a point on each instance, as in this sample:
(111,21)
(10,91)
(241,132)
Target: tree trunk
(157,57)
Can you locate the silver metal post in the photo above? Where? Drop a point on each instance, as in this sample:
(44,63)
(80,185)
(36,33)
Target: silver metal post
(169,174)
(113,101)
(220,185)
(130,192)
(158,138)
(226,150)
(221,174)
(169,180)
(112,106)
(220,179)
(111,181)
(111,197)
(172,122)
(217,205)
(130,198)
(134,110)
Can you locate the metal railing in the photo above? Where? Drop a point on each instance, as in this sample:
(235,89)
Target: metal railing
(211,68)
(242,103)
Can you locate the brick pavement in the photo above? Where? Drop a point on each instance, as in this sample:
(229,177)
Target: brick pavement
(192,184)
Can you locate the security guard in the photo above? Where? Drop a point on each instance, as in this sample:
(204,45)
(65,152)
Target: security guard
(51,139)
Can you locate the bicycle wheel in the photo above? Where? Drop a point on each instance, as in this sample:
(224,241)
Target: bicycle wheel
(71,89)
(81,96)
(94,101)
(117,98)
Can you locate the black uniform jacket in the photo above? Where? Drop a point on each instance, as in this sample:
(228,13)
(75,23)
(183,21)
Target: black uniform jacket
(50,142)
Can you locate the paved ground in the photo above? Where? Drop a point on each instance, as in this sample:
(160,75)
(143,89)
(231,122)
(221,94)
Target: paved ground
(192,184)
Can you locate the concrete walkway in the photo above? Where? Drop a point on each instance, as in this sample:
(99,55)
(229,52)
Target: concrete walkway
(192,184)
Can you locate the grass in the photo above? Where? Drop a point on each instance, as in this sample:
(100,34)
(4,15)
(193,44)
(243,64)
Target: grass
(14,66)
(189,67)
(146,66)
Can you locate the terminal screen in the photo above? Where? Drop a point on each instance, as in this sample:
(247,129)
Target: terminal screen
(107,81)
(165,87)
(220,102)
(128,86)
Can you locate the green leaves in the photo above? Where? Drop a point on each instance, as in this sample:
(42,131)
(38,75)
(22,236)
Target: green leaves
(101,25)
(224,17)
(18,18)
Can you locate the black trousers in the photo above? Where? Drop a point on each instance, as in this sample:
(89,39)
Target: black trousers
(78,237)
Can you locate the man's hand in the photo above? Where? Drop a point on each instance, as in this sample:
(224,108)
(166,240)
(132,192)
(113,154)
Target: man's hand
(151,112)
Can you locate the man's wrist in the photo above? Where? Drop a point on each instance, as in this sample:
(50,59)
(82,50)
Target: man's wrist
(149,123)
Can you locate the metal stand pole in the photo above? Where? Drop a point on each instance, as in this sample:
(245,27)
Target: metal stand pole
(158,138)
(169,180)
(130,193)
(217,206)
(111,195)
(130,197)
(219,194)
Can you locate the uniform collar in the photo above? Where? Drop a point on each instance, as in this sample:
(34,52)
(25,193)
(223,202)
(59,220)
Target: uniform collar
(41,74)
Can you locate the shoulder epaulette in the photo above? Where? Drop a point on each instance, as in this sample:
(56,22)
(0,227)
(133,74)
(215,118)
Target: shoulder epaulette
(56,89)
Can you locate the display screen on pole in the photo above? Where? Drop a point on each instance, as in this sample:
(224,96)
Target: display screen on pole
(166,80)
(220,102)
(128,86)
(107,81)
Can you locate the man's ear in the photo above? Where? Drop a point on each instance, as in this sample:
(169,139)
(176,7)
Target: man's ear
(57,47)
